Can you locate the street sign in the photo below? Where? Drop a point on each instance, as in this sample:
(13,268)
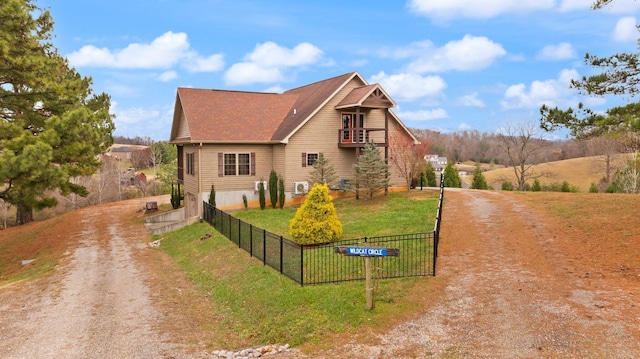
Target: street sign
(367,251)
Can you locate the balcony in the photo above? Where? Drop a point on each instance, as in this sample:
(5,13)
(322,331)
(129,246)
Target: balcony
(357,137)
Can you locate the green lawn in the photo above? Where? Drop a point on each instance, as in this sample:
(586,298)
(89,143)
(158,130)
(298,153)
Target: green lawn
(261,306)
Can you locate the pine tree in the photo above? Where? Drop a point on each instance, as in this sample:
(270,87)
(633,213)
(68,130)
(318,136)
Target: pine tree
(316,221)
(537,187)
(323,172)
(273,188)
(478,182)
(281,192)
(451,176)
(52,126)
(430,174)
(371,173)
(212,196)
(261,195)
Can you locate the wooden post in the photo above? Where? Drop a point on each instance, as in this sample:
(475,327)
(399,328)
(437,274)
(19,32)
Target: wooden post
(368,283)
(368,252)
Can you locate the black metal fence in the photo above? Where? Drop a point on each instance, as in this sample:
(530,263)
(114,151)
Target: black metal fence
(318,263)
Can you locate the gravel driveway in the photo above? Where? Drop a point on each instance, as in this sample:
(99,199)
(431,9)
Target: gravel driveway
(97,305)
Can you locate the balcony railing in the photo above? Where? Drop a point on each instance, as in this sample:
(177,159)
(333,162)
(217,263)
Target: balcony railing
(358,137)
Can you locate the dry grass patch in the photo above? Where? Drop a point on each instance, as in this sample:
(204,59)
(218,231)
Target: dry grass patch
(606,225)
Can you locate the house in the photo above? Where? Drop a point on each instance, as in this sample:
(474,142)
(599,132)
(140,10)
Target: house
(438,162)
(233,139)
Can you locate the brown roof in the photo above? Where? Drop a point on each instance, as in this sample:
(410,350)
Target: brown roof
(233,116)
(239,116)
(369,95)
(310,98)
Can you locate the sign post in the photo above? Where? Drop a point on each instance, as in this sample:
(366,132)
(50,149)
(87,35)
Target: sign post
(367,253)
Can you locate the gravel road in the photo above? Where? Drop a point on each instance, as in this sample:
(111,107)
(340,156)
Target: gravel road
(97,305)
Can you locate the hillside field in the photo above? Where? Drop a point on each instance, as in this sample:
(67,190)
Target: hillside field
(579,172)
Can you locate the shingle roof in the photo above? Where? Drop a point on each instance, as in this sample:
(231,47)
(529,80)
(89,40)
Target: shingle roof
(239,116)
(233,116)
(226,116)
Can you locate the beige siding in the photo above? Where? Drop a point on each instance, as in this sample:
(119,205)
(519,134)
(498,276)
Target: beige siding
(191,188)
(183,128)
(229,189)
(320,134)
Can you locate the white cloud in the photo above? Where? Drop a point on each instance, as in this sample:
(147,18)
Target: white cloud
(561,51)
(423,115)
(626,30)
(249,72)
(554,92)
(443,10)
(134,115)
(271,54)
(448,9)
(168,76)
(164,52)
(468,54)
(269,61)
(196,63)
(471,100)
(572,5)
(410,87)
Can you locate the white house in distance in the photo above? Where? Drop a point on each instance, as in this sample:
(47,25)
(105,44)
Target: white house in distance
(438,163)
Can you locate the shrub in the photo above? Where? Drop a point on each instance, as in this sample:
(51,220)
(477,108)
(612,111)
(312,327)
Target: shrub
(536,186)
(245,202)
(273,188)
(261,195)
(478,182)
(316,221)
(507,186)
(175,197)
(281,192)
(212,196)
(565,187)
(593,188)
(451,176)
(430,174)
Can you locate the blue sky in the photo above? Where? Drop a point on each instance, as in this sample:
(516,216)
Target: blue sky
(450,65)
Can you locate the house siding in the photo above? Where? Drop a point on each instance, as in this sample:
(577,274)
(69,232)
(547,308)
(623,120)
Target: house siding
(191,187)
(320,134)
(183,128)
(229,189)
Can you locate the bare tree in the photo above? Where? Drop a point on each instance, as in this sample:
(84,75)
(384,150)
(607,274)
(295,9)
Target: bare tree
(522,145)
(406,156)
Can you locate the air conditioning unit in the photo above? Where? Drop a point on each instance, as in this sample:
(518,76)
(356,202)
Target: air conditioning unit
(256,188)
(300,187)
(344,184)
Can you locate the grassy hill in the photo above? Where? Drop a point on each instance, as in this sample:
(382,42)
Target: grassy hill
(579,172)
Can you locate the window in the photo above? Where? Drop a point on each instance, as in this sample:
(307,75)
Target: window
(191,163)
(230,164)
(312,158)
(237,164)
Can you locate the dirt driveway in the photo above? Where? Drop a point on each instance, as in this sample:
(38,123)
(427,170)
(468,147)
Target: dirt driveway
(510,287)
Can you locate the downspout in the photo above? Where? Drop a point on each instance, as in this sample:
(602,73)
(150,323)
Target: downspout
(200,200)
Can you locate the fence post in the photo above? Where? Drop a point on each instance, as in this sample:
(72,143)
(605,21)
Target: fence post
(264,246)
(251,239)
(281,256)
(239,233)
(301,265)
